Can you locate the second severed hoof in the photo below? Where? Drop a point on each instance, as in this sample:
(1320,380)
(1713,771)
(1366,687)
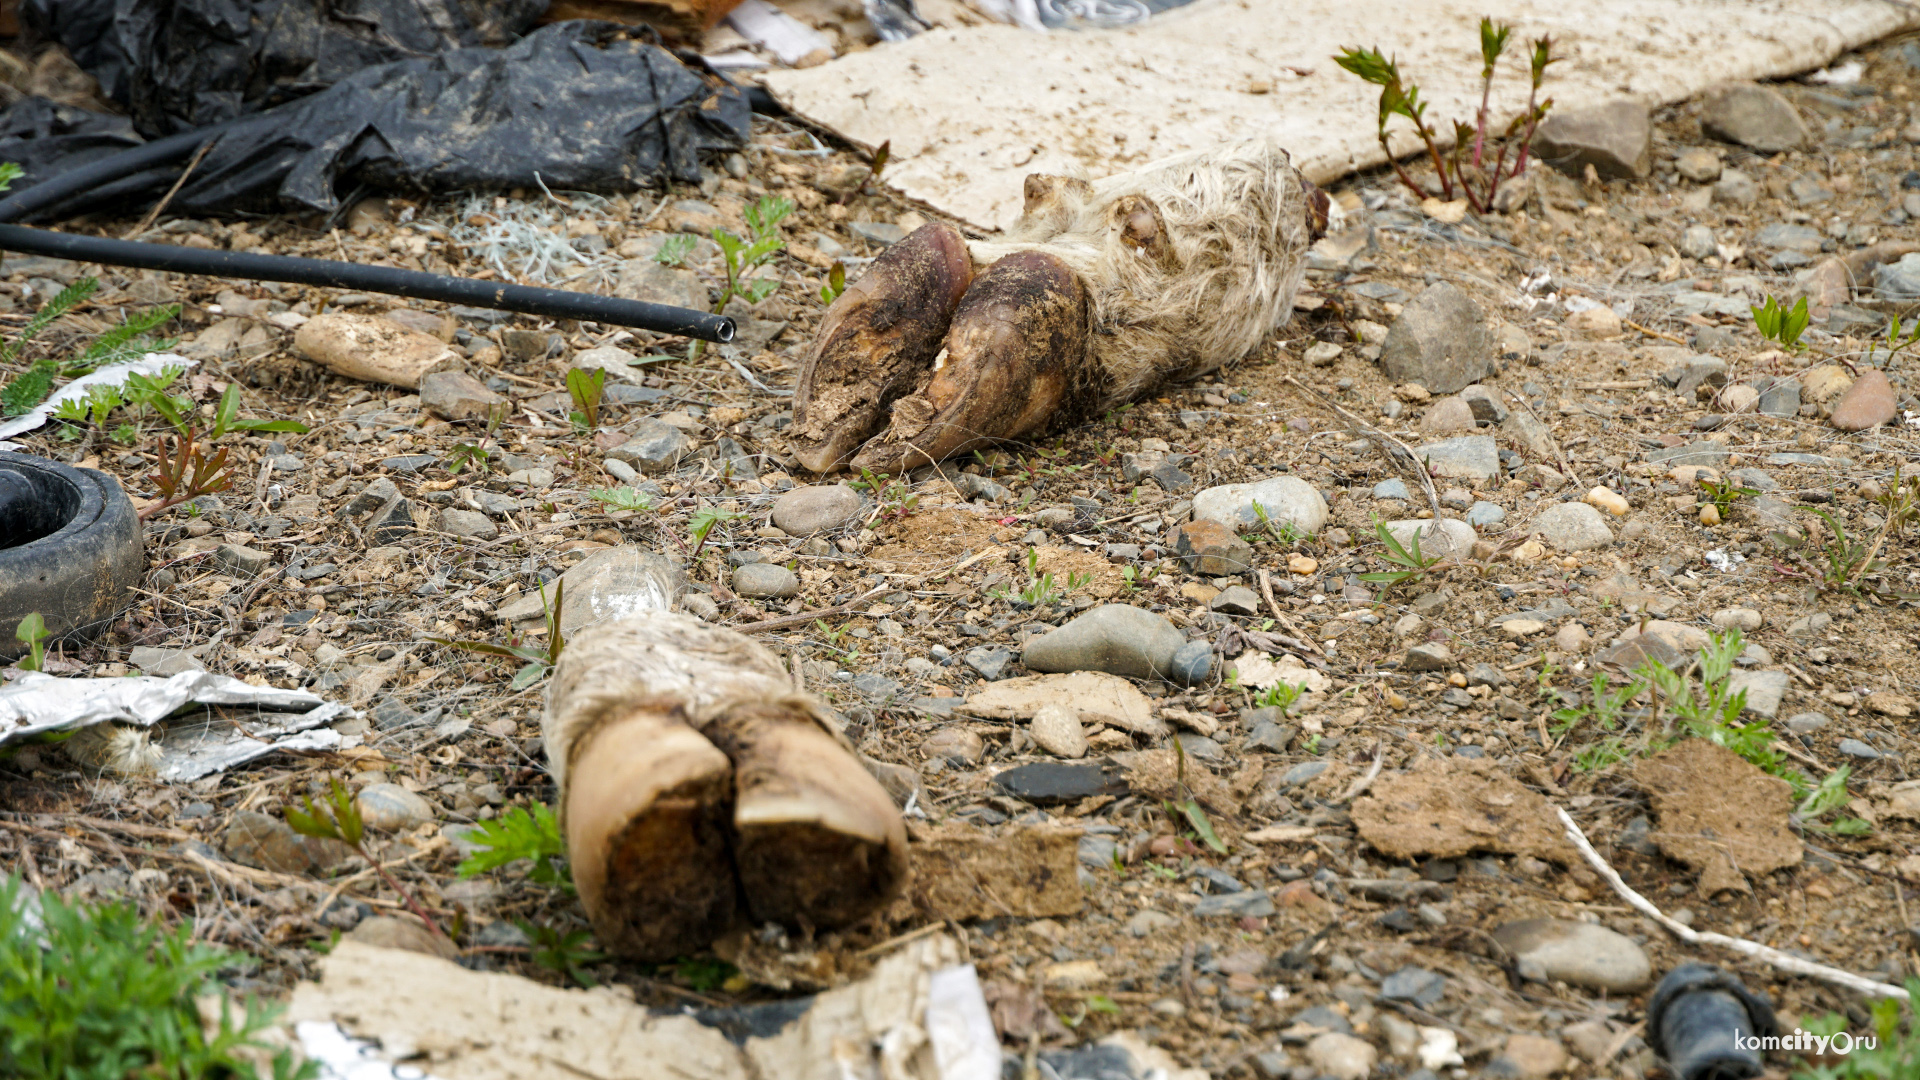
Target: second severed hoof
(1014,362)
(697,789)
(875,341)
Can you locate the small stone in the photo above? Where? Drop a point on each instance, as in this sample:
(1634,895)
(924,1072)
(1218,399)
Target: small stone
(1536,1056)
(1854,748)
(1056,729)
(469,524)
(392,808)
(1898,280)
(1616,139)
(1765,690)
(1577,953)
(765,581)
(1485,403)
(956,744)
(1392,489)
(1342,1057)
(1698,164)
(1286,500)
(1573,527)
(1191,663)
(653,447)
(1868,403)
(1210,549)
(1738,398)
(1483,514)
(1468,457)
(1520,629)
(1116,638)
(1415,984)
(1149,922)
(456,396)
(1744,619)
(818,508)
(1807,723)
(1321,354)
(1097,851)
(989,660)
(1697,242)
(1736,188)
(882,233)
(1236,600)
(1052,783)
(1808,192)
(1433,656)
(1245,904)
(1607,499)
(241,561)
(1439,340)
(1753,116)
(268,843)
(1437,536)
(1302,564)
(1446,416)
(1572,639)
(392,522)
(164,663)
(393,932)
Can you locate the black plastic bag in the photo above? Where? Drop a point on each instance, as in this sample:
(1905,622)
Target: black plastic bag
(576,105)
(180,65)
(44,138)
(580,105)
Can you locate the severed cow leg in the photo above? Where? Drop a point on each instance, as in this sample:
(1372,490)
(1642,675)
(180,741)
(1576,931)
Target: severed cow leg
(696,788)
(1014,361)
(876,340)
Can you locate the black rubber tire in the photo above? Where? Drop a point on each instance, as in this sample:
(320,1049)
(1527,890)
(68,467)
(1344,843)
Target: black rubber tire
(70,549)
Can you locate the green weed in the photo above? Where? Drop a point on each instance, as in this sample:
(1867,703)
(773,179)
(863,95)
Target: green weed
(674,250)
(32,632)
(521,834)
(701,524)
(1895,1054)
(337,817)
(98,993)
(621,498)
(745,255)
(563,953)
(836,282)
(1413,564)
(1781,325)
(585,388)
(538,659)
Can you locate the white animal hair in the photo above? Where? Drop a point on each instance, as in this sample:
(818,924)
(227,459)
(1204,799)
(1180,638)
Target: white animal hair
(1237,219)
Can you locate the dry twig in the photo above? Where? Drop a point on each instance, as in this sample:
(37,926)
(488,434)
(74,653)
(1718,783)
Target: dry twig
(1426,482)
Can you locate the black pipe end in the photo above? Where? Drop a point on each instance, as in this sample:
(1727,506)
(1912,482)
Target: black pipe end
(724,332)
(1707,1024)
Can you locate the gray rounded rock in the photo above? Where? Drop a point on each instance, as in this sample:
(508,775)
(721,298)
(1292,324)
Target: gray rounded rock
(765,581)
(1440,340)
(1576,953)
(1191,663)
(1284,499)
(392,808)
(1115,638)
(818,508)
(1573,526)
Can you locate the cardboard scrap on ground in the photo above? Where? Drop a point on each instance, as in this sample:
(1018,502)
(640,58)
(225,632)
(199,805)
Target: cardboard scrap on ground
(1719,813)
(918,1016)
(970,111)
(1098,697)
(1448,807)
(960,872)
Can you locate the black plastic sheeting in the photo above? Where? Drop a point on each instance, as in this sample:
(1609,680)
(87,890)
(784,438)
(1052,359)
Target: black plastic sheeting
(578,105)
(180,65)
(44,138)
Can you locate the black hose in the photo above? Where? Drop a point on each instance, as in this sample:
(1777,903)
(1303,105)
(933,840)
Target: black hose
(531,300)
(130,168)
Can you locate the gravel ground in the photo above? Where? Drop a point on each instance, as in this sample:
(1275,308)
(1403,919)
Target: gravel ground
(1618,310)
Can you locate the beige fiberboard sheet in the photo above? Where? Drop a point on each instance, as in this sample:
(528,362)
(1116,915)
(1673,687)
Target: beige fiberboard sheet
(970,111)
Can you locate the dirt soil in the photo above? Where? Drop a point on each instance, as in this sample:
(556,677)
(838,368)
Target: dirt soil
(351,615)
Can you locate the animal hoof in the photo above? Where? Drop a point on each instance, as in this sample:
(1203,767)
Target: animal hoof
(647,811)
(876,340)
(817,840)
(1012,361)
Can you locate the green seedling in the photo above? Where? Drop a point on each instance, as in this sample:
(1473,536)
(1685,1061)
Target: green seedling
(1285,533)
(226,418)
(565,954)
(521,834)
(1724,493)
(187,474)
(1605,706)
(1843,561)
(1604,754)
(745,255)
(1901,501)
(622,498)
(836,282)
(337,817)
(538,660)
(701,524)
(100,993)
(893,498)
(1412,562)
(585,388)
(704,973)
(1894,1055)
(674,250)
(32,632)
(1312,745)
(1781,325)
(1828,796)
(466,455)
(1282,696)
(1477,179)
